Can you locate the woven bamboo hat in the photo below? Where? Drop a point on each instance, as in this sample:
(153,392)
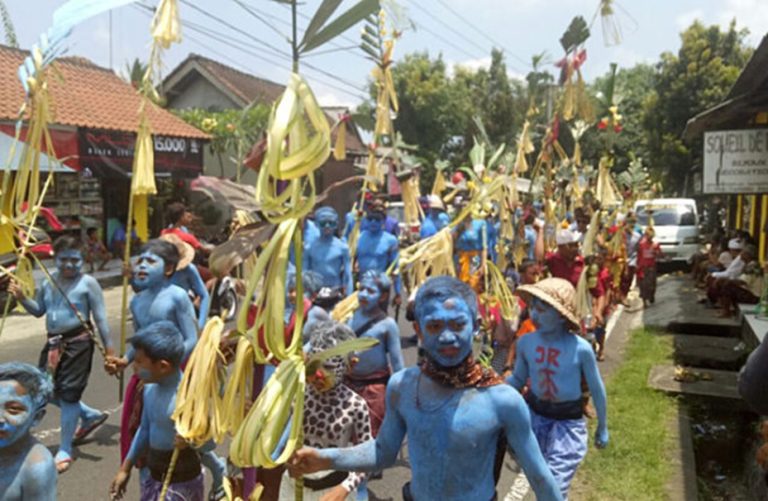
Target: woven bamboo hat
(186,252)
(556,292)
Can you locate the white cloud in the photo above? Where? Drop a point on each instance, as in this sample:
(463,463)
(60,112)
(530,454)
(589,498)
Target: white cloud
(685,19)
(477,64)
(331,98)
(474,64)
(750,14)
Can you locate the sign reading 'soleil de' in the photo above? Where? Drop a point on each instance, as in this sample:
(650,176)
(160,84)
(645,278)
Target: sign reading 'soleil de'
(736,161)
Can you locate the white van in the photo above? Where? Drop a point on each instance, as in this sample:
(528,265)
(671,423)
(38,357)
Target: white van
(675,221)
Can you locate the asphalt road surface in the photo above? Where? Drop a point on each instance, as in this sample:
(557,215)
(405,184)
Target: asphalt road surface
(97,460)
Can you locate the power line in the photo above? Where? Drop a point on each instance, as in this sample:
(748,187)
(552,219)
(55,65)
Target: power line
(482,33)
(355,44)
(447,26)
(269,46)
(263,21)
(222,38)
(443,39)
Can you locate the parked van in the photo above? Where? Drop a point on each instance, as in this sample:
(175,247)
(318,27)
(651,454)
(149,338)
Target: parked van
(676,223)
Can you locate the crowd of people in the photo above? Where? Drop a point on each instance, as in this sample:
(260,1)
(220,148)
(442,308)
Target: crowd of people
(460,410)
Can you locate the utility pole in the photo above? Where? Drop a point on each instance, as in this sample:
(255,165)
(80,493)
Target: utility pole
(111,67)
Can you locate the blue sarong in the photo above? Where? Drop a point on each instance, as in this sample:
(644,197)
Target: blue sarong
(193,490)
(563,444)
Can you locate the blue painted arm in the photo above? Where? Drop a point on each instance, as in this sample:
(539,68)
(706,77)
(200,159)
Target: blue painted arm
(283,439)
(99,312)
(393,347)
(596,387)
(373,455)
(36,307)
(306,259)
(514,413)
(198,287)
(394,254)
(129,354)
(39,478)
(141,439)
(185,319)
(346,279)
(520,375)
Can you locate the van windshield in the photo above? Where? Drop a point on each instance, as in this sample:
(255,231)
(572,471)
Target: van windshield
(681,215)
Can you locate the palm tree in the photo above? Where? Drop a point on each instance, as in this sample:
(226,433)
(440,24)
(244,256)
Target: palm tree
(10,33)
(134,72)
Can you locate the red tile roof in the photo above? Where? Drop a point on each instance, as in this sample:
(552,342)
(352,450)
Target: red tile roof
(86,95)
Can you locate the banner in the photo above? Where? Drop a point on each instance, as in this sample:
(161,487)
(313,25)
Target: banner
(736,161)
(110,153)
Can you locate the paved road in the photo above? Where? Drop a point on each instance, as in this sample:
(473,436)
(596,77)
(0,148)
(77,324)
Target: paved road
(97,460)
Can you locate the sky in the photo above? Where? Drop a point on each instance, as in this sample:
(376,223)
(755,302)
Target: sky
(461,31)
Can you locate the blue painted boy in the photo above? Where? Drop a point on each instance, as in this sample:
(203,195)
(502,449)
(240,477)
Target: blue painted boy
(372,368)
(68,353)
(436,219)
(188,278)
(554,358)
(377,250)
(452,410)
(471,247)
(158,352)
(158,298)
(329,255)
(27,469)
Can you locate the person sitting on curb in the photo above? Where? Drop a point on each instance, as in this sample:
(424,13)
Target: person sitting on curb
(452,410)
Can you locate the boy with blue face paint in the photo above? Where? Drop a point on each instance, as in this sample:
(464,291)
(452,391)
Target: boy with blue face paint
(554,359)
(452,410)
(328,255)
(68,353)
(27,470)
(377,250)
(436,219)
(158,352)
(371,369)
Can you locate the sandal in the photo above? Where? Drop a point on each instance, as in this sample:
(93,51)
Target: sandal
(83,431)
(62,465)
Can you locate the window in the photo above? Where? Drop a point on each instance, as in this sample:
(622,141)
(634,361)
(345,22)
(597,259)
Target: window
(668,216)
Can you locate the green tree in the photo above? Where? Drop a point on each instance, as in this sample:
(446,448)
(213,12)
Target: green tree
(698,77)
(427,117)
(233,132)
(632,89)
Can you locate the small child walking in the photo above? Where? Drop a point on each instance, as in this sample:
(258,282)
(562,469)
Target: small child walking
(159,350)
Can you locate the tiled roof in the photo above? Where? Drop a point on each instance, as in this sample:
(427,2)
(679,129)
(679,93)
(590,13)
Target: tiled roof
(86,95)
(247,87)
